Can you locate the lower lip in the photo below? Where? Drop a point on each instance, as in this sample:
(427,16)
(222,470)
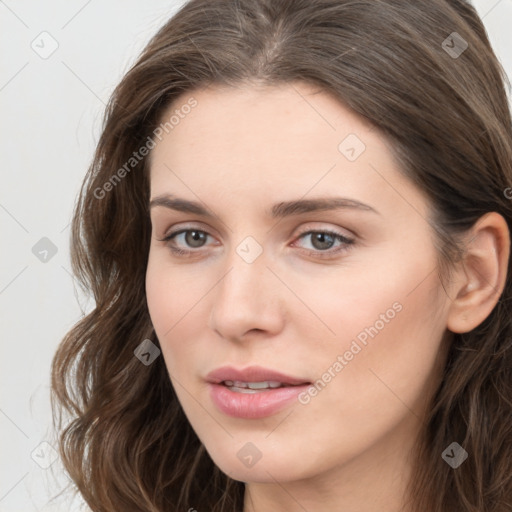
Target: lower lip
(253,405)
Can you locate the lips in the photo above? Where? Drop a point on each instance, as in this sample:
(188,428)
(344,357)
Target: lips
(254,392)
(252,374)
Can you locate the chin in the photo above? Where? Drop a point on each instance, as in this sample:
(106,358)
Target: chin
(248,464)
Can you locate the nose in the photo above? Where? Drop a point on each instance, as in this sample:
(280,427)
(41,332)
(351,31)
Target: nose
(248,300)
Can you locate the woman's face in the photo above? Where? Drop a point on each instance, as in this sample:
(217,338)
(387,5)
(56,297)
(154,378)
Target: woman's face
(308,264)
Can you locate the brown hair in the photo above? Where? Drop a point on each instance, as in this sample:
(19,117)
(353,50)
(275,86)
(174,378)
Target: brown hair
(128,445)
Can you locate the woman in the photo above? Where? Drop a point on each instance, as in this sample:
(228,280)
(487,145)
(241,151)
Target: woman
(296,228)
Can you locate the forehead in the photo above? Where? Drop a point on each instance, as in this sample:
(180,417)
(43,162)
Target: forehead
(263,142)
(291,118)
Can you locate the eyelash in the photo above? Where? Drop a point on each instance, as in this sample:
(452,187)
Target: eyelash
(347,242)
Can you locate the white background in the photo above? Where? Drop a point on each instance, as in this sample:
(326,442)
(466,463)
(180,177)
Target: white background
(51,112)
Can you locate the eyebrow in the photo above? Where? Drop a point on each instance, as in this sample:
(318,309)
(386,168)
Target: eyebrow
(279,210)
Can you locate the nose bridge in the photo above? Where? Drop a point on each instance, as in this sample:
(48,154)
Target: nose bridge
(246,273)
(245,296)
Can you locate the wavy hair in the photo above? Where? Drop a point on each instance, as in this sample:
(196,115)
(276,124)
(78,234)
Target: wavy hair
(123,436)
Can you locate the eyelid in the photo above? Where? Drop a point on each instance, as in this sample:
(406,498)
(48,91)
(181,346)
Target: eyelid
(194,225)
(345,233)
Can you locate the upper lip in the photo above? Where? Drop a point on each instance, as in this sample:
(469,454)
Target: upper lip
(252,374)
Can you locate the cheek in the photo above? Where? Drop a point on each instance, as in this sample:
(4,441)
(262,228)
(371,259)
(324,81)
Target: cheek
(170,292)
(388,322)
(159,300)
(174,301)
(389,348)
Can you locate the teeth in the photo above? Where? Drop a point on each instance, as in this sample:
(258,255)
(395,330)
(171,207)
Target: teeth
(263,385)
(253,385)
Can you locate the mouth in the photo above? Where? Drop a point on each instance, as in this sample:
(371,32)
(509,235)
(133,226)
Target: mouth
(238,386)
(253,377)
(254,392)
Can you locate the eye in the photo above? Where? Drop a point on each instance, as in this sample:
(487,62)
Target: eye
(323,241)
(194,238)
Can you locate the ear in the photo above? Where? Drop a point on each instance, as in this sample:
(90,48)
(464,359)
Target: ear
(482,275)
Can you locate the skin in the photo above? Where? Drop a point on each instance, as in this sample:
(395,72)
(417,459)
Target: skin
(238,152)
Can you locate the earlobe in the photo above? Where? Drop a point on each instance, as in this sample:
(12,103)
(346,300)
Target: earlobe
(482,274)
